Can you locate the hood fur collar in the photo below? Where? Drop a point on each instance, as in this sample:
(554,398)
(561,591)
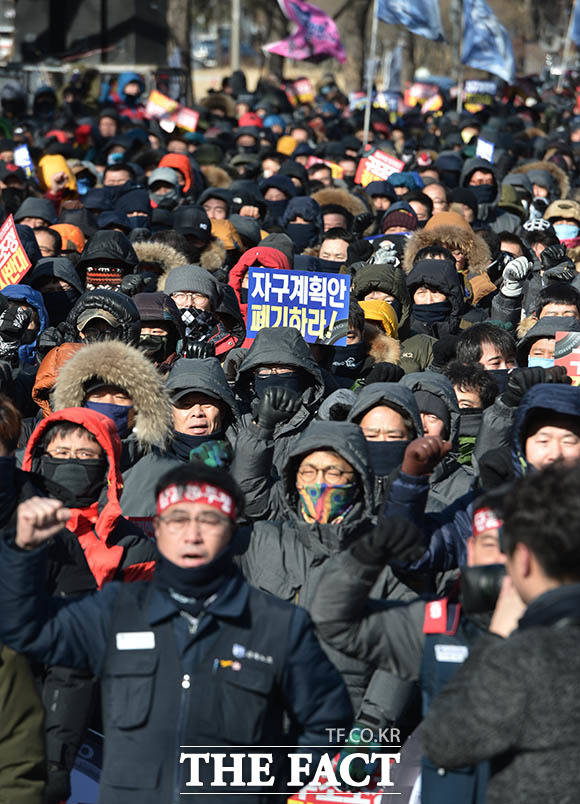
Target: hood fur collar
(117,363)
(474,246)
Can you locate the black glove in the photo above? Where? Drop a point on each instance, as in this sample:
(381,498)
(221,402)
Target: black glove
(277,405)
(556,263)
(390,540)
(194,350)
(132,284)
(384,372)
(58,786)
(444,351)
(361,222)
(14,322)
(359,251)
(522,379)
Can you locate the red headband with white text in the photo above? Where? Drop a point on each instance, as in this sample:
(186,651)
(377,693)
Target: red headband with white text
(200,493)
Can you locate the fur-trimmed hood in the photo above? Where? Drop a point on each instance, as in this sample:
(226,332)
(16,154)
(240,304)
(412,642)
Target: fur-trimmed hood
(213,257)
(216,176)
(525,326)
(452,237)
(159,257)
(381,347)
(337,195)
(118,364)
(559,176)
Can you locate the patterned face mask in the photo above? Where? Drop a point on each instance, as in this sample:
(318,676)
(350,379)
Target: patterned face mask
(319,502)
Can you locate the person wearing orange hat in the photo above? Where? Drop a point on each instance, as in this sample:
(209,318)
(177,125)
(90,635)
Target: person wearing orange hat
(72,237)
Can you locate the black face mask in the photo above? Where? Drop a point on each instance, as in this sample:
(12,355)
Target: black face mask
(247,149)
(58,304)
(303,235)
(347,361)
(139,221)
(183,443)
(155,347)
(330,266)
(432,313)
(76,483)
(484,193)
(397,308)
(291,381)
(501,377)
(385,456)
(276,209)
(244,295)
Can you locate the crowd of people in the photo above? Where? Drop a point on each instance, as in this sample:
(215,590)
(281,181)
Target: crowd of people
(209,539)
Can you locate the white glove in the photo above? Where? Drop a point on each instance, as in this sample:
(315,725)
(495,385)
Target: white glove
(513,276)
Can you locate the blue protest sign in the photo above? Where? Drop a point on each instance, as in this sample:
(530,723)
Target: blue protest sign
(316,304)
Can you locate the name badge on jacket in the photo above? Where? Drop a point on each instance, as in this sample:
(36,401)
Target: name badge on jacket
(135,640)
(451,653)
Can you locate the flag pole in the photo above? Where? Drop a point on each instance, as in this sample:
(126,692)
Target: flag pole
(567,45)
(459,64)
(370,73)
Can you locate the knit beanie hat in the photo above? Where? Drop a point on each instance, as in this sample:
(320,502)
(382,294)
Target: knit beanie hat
(431,403)
(192,279)
(400,217)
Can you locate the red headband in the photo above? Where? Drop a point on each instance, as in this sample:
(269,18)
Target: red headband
(485,519)
(197,492)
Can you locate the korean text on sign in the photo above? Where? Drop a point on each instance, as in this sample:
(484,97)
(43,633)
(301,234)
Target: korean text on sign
(313,303)
(14,262)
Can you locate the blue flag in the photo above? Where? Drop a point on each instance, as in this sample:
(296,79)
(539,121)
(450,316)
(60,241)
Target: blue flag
(575,32)
(422,17)
(486,43)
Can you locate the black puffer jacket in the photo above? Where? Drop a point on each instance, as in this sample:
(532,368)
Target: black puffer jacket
(109,245)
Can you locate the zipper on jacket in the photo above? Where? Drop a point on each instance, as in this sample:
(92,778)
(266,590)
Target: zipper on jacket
(185,682)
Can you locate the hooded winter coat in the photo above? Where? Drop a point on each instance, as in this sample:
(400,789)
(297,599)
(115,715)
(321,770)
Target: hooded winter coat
(261,255)
(121,307)
(388,279)
(26,295)
(282,346)
(112,246)
(450,479)
(98,544)
(287,557)
(205,376)
(490,214)
(441,276)
(115,363)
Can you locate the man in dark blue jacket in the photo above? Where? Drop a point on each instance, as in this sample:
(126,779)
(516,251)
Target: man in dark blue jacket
(195,658)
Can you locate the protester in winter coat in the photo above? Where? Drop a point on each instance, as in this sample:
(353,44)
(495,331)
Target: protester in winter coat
(107,258)
(162,331)
(120,382)
(205,422)
(495,707)
(312,518)
(280,358)
(410,640)
(482,179)
(281,666)
(209,310)
(74,456)
(57,279)
(437,298)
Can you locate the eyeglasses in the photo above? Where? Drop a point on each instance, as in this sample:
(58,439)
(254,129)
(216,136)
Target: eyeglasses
(330,474)
(205,521)
(79,454)
(186,298)
(267,371)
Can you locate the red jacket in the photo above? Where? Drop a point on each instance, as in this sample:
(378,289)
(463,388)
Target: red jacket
(110,549)
(260,255)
